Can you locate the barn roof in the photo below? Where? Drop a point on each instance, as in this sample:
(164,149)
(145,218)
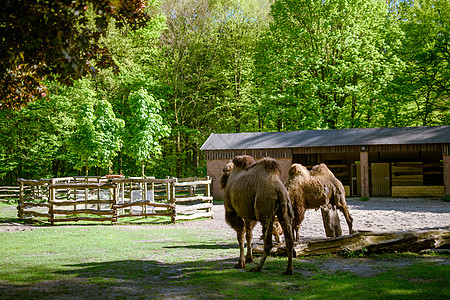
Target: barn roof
(325,138)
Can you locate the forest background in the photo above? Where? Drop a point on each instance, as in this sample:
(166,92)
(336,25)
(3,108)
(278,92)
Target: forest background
(192,68)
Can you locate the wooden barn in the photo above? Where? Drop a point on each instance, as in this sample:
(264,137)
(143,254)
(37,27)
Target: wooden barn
(372,162)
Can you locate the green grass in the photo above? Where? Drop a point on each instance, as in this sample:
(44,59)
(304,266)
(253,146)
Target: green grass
(93,261)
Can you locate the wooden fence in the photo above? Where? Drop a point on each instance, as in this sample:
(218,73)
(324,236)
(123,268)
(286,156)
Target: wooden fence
(8,193)
(117,200)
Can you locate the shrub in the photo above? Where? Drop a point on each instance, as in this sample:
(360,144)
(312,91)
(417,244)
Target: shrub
(446,198)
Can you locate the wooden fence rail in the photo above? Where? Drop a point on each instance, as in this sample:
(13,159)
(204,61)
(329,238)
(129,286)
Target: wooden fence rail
(91,198)
(8,193)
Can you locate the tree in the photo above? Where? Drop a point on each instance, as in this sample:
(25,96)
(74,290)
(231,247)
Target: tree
(424,82)
(46,37)
(34,139)
(205,72)
(332,59)
(84,141)
(109,134)
(145,128)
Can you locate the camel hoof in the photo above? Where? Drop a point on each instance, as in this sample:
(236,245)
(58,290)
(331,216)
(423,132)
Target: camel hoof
(288,272)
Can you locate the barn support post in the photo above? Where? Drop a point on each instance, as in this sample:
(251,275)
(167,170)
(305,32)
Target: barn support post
(446,173)
(364,157)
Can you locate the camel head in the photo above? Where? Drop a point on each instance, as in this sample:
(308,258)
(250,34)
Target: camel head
(226,173)
(241,161)
(228,167)
(299,171)
(321,170)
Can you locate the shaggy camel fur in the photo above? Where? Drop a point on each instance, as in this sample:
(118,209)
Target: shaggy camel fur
(313,190)
(254,192)
(277,229)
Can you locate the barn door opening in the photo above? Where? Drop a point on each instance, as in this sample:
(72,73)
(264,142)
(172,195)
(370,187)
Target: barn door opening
(381,185)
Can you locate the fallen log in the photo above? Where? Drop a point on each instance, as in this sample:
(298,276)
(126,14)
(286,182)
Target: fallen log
(372,242)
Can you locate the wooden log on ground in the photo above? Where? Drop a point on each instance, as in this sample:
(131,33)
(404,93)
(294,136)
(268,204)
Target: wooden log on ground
(373,242)
(331,222)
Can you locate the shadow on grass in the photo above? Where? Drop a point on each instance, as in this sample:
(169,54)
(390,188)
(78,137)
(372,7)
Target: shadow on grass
(149,279)
(117,280)
(205,246)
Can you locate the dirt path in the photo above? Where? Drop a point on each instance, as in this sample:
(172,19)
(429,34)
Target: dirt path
(377,214)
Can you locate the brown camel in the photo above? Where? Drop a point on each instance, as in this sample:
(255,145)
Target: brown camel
(254,192)
(313,190)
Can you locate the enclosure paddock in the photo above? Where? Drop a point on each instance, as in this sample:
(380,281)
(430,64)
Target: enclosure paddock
(114,199)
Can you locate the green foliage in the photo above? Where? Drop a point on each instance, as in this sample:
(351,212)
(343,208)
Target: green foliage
(365,198)
(84,141)
(329,58)
(423,83)
(50,37)
(357,253)
(109,133)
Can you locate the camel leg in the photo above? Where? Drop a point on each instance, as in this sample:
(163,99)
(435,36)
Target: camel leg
(348,218)
(267,233)
(289,238)
(297,222)
(238,225)
(248,236)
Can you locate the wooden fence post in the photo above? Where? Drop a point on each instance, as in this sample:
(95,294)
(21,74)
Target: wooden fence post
(21,200)
(113,206)
(51,201)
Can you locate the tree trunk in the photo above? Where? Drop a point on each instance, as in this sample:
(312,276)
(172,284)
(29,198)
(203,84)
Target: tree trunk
(331,222)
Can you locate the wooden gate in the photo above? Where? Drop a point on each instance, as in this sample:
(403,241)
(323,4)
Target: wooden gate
(381,179)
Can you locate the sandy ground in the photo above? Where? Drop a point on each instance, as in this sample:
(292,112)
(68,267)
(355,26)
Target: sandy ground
(377,214)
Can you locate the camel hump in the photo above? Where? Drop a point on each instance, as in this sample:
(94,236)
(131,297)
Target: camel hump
(270,165)
(243,161)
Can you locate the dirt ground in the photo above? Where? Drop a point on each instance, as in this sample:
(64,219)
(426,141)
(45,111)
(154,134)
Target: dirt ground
(377,214)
